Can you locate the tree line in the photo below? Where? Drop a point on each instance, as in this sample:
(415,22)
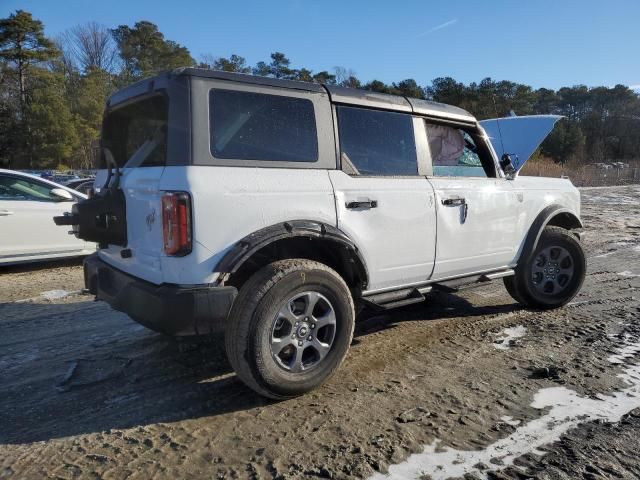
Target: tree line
(53,91)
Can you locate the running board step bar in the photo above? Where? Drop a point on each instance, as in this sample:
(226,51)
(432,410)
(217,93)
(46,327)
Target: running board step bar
(487,277)
(400,298)
(407,296)
(454,285)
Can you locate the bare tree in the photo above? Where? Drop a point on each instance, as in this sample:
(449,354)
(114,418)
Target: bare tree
(66,60)
(91,45)
(346,77)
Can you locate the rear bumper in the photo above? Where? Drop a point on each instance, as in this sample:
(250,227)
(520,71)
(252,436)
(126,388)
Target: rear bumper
(165,308)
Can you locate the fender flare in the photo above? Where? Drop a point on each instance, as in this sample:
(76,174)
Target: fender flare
(243,249)
(542,220)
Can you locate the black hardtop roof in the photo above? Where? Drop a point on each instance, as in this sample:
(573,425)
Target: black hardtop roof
(344,95)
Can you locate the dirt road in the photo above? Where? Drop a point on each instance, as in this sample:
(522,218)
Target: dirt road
(469,383)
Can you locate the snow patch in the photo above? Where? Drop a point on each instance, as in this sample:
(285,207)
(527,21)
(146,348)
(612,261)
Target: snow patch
(50,295)
(628,274)
(566,410)
(55,294)
(602,255)
(510,421)
(612,199)
(505,338)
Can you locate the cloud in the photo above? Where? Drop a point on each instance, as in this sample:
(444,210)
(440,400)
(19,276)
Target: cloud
(635,87)
(438,27)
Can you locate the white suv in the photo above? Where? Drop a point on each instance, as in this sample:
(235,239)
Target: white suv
(275,209)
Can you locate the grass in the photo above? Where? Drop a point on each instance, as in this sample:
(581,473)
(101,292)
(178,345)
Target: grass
(583,174)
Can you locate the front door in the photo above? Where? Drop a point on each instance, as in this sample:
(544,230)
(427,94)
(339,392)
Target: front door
(382,202)
(477,208)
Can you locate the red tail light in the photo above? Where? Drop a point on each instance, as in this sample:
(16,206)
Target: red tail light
(176,223)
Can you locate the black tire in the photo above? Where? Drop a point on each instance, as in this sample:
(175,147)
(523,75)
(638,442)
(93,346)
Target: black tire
(251,328)
(544,282)
(510,285)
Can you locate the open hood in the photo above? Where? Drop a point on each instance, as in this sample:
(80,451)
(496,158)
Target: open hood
(521,136)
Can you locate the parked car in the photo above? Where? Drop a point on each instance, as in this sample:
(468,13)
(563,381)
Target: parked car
(276,209)
(82,185)
(27,234)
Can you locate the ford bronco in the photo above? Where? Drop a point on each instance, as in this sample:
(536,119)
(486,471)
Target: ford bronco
(275,209)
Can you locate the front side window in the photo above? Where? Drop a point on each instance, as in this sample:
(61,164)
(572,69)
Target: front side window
(454,152)
(16,188)
(378,143)
(256,126)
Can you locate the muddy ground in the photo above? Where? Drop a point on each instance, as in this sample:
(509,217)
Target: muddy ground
(85,392)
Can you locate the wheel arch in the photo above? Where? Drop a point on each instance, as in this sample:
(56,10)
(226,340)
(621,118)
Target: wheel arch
(555,215)
(308,239)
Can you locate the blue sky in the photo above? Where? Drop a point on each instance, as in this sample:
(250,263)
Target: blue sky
(550,43)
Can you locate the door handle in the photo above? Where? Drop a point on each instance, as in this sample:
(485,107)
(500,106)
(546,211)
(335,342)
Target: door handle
(365,204)
(454,202)
(458,202)
(5,213)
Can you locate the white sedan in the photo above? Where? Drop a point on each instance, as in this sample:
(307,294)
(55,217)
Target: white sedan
(27,232)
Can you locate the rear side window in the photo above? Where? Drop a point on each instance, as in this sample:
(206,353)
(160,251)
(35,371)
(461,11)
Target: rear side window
(376,143)
(255,126)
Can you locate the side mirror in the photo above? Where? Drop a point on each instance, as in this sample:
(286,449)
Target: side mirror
(62,195)
(506,163)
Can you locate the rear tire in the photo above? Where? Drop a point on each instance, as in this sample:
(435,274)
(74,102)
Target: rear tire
(290,328)
(553,274)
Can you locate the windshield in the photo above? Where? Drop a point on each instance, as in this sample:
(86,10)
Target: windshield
(136,133)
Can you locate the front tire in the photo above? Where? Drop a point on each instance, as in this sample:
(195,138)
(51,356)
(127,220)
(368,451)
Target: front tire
(553,274)
(290,328)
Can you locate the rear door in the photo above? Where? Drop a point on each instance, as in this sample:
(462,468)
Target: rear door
(477,208)
(382,201)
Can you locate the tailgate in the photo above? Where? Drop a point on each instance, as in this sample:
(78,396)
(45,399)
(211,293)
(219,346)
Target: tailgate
(144,224)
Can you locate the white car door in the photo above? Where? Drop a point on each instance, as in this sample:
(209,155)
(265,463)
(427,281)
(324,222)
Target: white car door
(27,208)
(477,207)
(382,202)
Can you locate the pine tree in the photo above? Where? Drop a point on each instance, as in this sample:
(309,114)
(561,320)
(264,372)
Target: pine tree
(144,51)
(23,44)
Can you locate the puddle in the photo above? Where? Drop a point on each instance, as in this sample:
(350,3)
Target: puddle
(506,338)
(566,409)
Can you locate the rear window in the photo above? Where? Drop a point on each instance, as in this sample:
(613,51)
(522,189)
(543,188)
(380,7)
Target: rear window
(138,129)
(255,126)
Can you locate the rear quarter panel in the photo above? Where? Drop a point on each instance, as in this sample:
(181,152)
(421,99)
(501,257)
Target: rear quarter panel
(232,202)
